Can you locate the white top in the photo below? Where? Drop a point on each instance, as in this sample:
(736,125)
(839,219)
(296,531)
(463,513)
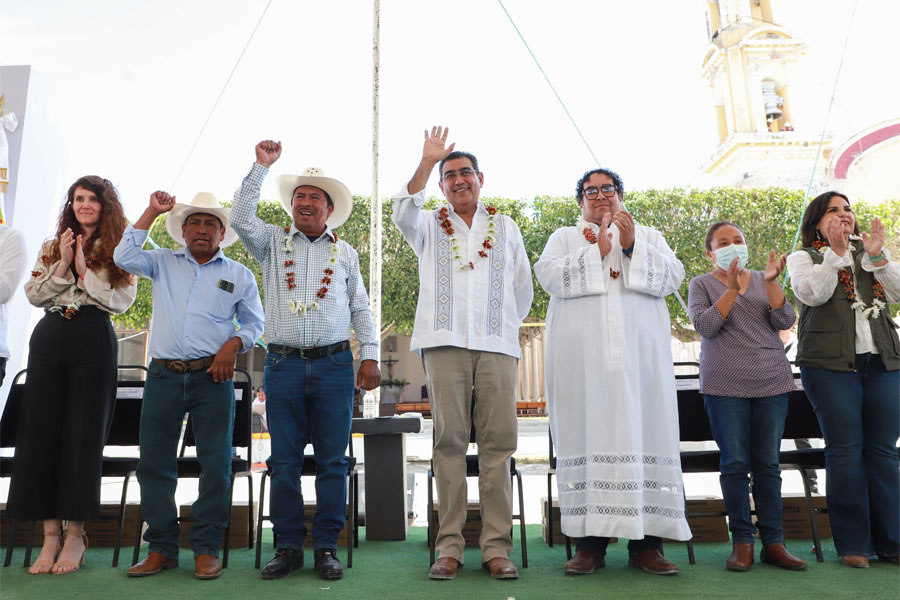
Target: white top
(814,285)
(477,309)
(12,268)
(611,385)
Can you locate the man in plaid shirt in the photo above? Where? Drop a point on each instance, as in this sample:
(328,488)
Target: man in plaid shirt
(314,293)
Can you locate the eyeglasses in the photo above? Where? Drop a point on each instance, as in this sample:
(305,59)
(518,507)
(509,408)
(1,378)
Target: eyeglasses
(464,173)
(608,190)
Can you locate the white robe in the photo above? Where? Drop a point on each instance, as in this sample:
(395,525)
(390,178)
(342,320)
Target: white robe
(611,386)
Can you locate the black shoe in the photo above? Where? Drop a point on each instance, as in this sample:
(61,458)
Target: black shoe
(285,561)
(327,564)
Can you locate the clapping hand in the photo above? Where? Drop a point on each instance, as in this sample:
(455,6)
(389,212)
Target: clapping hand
(267,152)
(625,222)
(80,265)
(734,275)
(874,242)
(775,266)
(66,248)
(433,150)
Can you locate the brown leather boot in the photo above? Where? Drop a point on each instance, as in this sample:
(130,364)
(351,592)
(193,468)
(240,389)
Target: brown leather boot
(741,558)
(777,554)
(584,563)
(652,561)
(444,568)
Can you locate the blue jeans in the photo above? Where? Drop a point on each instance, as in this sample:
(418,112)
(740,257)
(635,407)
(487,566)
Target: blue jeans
(167,396)
(748,432)
(859,413)
(597,545)
(309,400)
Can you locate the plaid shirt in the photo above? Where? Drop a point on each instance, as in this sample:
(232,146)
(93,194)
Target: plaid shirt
(345,303)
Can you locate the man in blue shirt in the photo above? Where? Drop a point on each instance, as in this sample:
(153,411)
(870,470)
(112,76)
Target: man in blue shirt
(197,294)
(314,293)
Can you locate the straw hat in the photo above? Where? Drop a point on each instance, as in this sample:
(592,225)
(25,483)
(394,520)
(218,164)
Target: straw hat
(203,202)
(314,176)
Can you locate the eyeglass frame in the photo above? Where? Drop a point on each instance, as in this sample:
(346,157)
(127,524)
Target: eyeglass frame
(465,172)
(606,187)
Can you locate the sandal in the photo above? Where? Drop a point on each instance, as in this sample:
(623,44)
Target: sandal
(42,567)
(71,566)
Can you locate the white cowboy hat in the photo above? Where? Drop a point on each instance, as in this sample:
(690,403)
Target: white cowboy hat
(206,203)
(337,191)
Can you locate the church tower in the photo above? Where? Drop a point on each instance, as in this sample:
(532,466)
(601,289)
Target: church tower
(763,137)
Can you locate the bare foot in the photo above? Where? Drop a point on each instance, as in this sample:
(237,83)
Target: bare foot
(47,557)
(71,556)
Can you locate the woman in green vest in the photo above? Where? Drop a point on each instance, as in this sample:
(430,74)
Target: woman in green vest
(849,357)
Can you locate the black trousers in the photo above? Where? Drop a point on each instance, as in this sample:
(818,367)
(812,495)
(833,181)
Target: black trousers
(69,397)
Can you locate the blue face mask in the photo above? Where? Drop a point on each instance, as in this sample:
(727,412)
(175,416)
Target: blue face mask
(725,255)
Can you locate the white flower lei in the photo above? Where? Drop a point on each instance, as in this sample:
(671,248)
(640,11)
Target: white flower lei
(301,308)
(443,215)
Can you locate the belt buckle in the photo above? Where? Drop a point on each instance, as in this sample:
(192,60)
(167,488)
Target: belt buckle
(178,366)
(304,353)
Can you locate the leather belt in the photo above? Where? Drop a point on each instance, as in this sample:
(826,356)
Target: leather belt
(185,366)
(310,353)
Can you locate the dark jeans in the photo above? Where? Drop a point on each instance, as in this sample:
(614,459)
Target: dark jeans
(748,432)
(167,396)
(597,545)
(859,413)
(309,400)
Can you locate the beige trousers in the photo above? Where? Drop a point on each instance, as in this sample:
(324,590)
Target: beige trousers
(451,374)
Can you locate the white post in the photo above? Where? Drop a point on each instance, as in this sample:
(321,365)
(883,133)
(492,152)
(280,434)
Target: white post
(375,204)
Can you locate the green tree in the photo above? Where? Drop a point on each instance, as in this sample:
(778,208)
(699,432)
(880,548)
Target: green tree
(769,218)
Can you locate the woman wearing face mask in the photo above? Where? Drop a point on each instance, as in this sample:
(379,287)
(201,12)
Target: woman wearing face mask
(849,357)
(745,379)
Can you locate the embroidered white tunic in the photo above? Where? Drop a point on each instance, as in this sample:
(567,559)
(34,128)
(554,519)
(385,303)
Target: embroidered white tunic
(611,385)
(477,309)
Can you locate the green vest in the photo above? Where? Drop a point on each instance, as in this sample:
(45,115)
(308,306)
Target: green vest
(826,336)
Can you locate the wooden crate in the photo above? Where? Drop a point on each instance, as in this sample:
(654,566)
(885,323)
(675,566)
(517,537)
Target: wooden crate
(795,518)
(706,518)
(471,528)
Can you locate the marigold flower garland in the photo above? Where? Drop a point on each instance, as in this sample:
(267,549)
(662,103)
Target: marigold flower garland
(845,276)
(443,215)
(301,308)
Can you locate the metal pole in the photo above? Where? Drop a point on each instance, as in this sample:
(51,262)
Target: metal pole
(375,203)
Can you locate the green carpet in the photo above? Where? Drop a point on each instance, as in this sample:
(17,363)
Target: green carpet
(400,570)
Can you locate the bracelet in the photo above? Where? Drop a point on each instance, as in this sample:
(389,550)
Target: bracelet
(878,257)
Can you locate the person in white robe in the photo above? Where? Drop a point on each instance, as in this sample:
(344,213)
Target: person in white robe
(610,381)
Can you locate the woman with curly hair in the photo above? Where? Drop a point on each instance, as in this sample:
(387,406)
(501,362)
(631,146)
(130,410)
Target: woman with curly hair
(71,383)
(849,357)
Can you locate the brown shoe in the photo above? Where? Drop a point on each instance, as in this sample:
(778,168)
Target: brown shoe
(778,555)
(153,564)
(652,561)
(857,562)
(501,568)
(206,566)
(444,568)
(584,563)
(741,558)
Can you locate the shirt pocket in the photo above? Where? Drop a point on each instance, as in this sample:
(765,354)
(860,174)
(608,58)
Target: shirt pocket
(821,340)
(222,305)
